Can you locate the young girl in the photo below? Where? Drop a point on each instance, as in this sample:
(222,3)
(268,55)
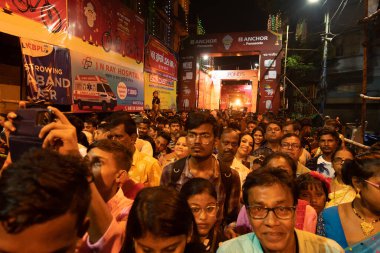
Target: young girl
(161,221)
(314,188)
(202,199)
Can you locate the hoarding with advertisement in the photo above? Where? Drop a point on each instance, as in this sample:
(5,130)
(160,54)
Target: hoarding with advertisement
(101,85)
(108,24)
(52,14)
(48,72)
(159,60)
(166,91)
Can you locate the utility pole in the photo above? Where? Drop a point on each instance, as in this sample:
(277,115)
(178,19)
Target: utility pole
(323,84)
(285,65)
(365,67)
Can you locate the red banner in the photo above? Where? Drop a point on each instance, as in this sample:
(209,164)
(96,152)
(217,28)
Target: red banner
(51,13)
(108,24)
(159,60)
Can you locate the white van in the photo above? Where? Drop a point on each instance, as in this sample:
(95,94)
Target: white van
(93,90)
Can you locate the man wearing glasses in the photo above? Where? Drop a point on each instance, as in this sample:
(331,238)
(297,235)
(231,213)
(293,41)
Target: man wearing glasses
(291,145)
(269,196)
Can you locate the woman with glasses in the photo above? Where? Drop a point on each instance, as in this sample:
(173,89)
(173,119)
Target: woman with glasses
(340,192)
(202,199)
(356,225)
(161,221)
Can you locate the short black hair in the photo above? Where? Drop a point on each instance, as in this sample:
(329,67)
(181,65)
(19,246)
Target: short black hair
(306,180)
(328,131)
(164,135)
(268,177)
(121,154)
(43,185)
(196,119)
(288,159)
(296,125)
(288,135)
(198,186)
(120,117)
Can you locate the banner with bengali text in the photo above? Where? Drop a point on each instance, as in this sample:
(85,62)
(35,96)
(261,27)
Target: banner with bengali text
(166,91)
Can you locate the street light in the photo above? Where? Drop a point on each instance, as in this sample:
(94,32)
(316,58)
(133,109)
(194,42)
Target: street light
(326,39)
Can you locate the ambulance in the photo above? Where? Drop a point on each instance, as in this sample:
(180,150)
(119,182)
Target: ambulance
(93,90)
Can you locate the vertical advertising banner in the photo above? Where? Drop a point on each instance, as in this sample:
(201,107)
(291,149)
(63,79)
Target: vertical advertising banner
(48,72)
(270,72)
(100,85)
(187,88)
(50,13)
(108,24)
(166,91)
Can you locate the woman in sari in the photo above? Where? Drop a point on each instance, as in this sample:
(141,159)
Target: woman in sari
(356,225)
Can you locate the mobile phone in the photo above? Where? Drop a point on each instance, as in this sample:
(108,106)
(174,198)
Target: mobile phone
(28,124)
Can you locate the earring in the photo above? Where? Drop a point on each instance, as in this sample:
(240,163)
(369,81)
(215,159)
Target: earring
(358,193)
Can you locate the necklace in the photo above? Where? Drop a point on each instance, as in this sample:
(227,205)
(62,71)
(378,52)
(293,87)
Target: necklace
(367,227)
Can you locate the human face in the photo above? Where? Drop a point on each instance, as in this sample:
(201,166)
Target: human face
(152,133)
(280,162)
(328,144)
(258,137)
(227,146)
(274,234)
(166,128)
(181,149)
(118,134)
(89,127)
(205,221)
(153,244)
(292,147)
(315,196)
(174,128)
(370,194)
(288,129)
(105,171)
(100,134)
(56,235)
(161,144)
(340,157)
(201,141)
(143,129)
(273,133)
(250,127)
(246,145)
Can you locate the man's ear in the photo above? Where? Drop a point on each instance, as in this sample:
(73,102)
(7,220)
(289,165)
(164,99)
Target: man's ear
(83,227)
(122,177)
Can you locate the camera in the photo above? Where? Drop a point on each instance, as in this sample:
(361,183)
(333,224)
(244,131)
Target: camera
(28,124)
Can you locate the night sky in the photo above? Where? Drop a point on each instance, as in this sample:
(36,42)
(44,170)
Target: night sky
(220,16)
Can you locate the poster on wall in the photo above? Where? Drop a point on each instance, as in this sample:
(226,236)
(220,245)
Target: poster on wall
(159,60)
(166,91)
(48,72)
(52,14)
(103,86)
(109,25)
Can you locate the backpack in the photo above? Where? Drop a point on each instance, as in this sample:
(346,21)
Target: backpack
(225,171)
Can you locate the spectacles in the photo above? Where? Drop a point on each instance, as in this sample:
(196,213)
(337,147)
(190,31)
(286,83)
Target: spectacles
(204,137)
(281,212)
(340,160)
(373,184)
(290,145)
(210,210)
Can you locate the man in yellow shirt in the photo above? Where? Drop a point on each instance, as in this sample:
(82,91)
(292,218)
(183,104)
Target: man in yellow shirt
(145,169)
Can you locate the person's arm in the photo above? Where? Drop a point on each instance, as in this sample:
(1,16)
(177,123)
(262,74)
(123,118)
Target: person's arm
(154,174)
(99,214)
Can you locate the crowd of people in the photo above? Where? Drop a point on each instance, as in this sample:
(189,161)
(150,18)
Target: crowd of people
(202,181)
